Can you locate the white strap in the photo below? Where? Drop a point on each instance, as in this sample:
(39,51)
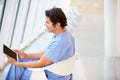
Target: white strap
(61,68)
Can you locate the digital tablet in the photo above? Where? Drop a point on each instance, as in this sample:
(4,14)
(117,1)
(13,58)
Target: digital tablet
(9,52)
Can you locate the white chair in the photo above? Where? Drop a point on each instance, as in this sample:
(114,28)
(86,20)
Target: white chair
(61,68)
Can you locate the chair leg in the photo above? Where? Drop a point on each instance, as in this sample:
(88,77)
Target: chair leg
(71,76)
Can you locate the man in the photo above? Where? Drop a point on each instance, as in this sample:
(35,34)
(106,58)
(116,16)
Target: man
(62,47)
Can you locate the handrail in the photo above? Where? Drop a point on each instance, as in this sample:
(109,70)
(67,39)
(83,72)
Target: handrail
(33,40)
(2,68)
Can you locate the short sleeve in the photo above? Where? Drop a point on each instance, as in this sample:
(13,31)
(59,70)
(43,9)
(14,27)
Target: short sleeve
(56,51)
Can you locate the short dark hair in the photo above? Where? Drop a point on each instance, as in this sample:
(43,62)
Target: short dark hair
(57,15)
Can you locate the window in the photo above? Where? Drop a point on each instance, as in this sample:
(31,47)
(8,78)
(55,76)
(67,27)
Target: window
(2,7)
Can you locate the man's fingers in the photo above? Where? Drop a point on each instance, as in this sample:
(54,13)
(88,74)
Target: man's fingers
(16,51)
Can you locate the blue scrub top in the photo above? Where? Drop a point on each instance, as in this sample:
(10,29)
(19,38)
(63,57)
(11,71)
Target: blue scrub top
(61,48)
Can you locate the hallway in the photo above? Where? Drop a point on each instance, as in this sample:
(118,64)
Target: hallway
(86,22)
(89,36)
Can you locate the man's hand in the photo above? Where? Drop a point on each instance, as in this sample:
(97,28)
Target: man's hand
(11,60)
(20,53)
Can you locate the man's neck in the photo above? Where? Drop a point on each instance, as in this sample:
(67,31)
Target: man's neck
(57,32)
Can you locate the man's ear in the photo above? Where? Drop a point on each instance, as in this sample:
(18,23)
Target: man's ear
(57,24)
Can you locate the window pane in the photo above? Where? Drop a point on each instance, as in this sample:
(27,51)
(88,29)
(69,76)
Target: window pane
(2,7)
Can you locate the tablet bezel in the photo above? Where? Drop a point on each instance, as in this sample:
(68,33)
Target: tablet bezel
(9,52)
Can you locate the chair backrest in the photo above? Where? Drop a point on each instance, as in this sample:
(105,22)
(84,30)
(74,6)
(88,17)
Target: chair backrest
(61,68)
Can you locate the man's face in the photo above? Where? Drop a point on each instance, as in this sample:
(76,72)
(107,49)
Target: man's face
(49,25)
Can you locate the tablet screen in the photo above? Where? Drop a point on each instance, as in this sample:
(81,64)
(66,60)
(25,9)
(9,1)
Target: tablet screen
(9,52)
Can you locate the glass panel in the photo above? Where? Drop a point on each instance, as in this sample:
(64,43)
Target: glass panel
(2,7)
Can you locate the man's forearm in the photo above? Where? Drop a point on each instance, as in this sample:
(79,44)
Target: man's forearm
(43,61)
(28,64)
(34,55)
